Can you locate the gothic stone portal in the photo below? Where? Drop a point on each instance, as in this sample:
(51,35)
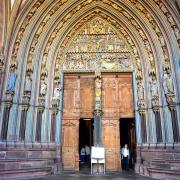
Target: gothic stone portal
(78,102)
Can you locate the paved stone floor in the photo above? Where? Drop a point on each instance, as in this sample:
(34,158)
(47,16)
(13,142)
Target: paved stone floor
(77,176)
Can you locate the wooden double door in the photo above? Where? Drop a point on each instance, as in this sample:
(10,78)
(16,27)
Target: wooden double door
(78,102)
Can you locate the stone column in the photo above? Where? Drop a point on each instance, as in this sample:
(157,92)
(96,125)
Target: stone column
(98,110)
(5,121)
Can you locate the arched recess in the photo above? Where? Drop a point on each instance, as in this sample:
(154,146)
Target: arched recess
(67,21)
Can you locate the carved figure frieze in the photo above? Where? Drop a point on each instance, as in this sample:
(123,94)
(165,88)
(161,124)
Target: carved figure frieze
(97,46)
(169,17)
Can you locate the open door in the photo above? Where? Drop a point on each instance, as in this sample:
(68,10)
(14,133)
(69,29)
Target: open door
(85,139)
(127,136)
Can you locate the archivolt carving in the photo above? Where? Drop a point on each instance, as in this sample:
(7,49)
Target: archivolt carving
(97,47)
(156,28)
(126,36)
(24,25)
(170,19)
(137,58)
(113,5)
(39,31)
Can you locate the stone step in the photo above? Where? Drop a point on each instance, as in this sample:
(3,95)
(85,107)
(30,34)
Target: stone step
(166,164)
(24,164)
(25,173)
(160,173)
(26,154)
(160,165)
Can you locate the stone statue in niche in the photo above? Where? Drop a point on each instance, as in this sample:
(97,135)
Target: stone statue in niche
(153,87)
(16,48)
(168,83)
(12,81)
(147,45)
(162,7)
(44,59)
(142,34)
(138,63)
(40,29)
(20,34)
(170,19)
(140,91)
(43,88)
(176,31)
(148,15)
(1,59)
(28,84)
(57,90)
(151,58)
(162,41)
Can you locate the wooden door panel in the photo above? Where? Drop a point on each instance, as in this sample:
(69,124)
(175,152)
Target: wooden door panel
(70,140)
(117,96)
(111,142)
(117,102)
(71,97)
(109,97)
(86,96)
(77,103)
(126,96)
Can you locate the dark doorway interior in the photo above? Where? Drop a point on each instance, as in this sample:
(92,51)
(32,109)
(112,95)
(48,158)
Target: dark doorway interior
(85,138)
(127,136)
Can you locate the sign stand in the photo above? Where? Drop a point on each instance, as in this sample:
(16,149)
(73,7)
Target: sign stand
(98,158)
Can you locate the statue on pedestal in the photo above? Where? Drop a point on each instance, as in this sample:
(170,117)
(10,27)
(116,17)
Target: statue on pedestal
(43,88)
(168,83)
(11,82)
(141,101)
(57,90)
(153,87)
(28,84)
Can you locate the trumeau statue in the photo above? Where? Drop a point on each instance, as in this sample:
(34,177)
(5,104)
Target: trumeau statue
(98,86)
(11,83)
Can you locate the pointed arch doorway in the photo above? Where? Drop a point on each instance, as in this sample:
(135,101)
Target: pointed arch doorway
(96,47)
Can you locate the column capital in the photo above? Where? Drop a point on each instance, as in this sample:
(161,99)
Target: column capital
(142,111)
(24,107)
(40,108)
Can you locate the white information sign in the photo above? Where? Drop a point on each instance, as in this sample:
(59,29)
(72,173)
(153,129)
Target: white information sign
(97,153)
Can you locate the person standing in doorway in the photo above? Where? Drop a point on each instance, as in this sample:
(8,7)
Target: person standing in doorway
(82,154)
(87,153)
(125,157)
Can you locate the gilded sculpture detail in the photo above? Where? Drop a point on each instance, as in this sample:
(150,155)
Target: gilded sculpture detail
(97,46)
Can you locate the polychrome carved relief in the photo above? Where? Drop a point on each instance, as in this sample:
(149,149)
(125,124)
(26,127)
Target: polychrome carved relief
(98,47)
